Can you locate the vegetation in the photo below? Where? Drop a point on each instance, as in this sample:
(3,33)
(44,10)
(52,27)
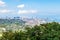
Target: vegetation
(48,31)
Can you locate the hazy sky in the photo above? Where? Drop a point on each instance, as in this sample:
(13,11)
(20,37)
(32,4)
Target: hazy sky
(30,8)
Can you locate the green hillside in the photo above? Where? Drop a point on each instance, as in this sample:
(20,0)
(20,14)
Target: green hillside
(48,31)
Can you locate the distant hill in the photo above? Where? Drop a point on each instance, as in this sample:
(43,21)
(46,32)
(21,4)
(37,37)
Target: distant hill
(10,21)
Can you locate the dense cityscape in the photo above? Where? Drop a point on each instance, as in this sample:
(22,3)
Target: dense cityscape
(20,22)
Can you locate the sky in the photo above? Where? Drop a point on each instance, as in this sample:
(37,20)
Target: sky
(30,8)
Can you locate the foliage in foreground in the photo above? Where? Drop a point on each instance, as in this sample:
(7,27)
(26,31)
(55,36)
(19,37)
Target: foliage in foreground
(48,31)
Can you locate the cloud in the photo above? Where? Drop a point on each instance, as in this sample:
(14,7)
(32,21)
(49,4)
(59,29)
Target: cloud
(21,6)
(20,11)
(5,11)
(27,11)
(2,3)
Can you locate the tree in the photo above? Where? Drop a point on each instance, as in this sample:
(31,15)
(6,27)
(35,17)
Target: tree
(48,31)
